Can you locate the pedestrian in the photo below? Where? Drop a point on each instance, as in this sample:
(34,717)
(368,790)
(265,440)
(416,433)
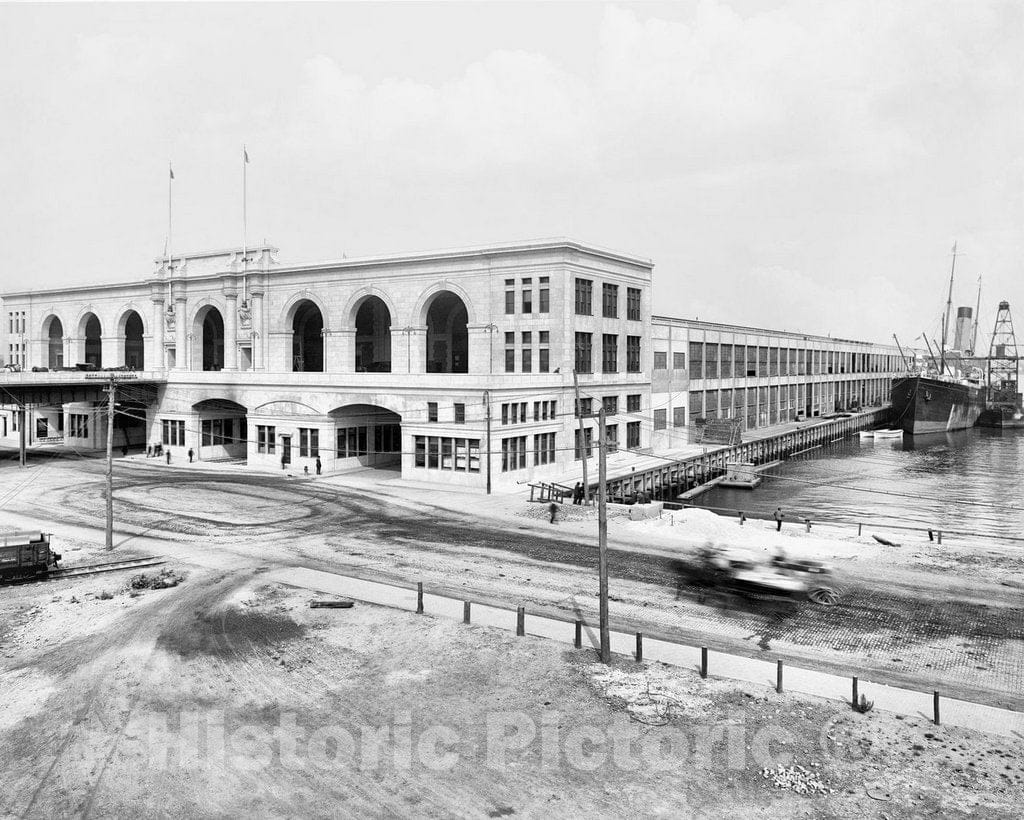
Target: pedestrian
(319,466)
(284,461)
(191,455)
(168,455)
(124,450)
(778,519)
(577,493)
(305,469)
(554,511)
(149,450)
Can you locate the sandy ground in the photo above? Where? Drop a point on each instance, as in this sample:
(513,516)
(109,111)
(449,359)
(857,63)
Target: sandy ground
(228,696)
(105,694)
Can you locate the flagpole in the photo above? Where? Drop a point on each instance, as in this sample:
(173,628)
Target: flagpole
(170,246)
(245,223)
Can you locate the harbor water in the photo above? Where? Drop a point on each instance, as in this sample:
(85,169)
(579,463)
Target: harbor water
(970,481)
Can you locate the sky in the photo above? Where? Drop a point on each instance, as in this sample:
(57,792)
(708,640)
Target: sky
(803,166)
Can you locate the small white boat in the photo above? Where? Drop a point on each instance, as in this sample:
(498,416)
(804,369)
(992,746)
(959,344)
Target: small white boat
(888,433)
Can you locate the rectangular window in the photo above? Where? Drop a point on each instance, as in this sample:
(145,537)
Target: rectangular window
(433,452)
(460,413)
(710,361)
(611,437)
(266,439)
(660,419)
(510,296)
(544,353)
(633,304)
(510,338)
(543,296)
(513,454)
(632,354)
(527,337)
(610,301)
(432,411)
(633,403)
(309,442)
(353,441)
(633,435)
(679,416)
(678,361)
(173,432)
(528,295)
(696,360)
(609,353)
(584,298)
(510,360)
(585,408)
(585,444)
(584,352)
(660,360)
(611,405)
(421,451)
(527,360)
(544,448)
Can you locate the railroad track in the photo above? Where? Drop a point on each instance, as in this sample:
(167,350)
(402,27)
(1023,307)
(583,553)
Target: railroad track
(93,569)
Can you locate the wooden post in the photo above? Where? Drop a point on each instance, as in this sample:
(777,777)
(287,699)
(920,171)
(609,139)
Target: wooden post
(639,646)
(465,612)
(935,706)
(778,676)
(703,661)
(858,528)
(521,621)
(419,598)
(578,642)
(854,691)
(940,536)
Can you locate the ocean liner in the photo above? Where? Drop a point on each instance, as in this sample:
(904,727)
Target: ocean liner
(935,404)
(941,400)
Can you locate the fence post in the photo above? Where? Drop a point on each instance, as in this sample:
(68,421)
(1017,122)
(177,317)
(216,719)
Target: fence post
(521,621)
(858,528)
(578,642)
(465,612)
(940,536)
(778,676)
(639,646)
(854,691)
(419,598)
(935,705)
(703,661)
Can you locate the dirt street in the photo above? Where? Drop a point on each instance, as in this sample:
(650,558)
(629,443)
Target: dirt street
(227,695)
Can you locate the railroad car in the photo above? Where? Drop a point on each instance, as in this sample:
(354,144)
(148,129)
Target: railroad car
(26,555)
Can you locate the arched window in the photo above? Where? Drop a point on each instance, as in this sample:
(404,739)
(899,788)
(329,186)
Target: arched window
(55,345)
(134,352)
(373,337)
(307,338)
(447,336)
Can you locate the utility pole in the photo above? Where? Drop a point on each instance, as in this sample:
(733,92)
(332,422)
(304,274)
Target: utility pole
(602,541)
(583,438)
(111,390)
(487,404)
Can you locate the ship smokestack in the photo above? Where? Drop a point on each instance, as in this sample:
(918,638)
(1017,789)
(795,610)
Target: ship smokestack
(964,330)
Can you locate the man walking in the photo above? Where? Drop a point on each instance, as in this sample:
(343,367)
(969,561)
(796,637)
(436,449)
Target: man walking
(577,493)
(778,519)
(554,511)
(191,455)
(318,465)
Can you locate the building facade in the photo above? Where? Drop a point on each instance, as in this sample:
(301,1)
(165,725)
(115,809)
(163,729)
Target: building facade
(705,370)
(456,366)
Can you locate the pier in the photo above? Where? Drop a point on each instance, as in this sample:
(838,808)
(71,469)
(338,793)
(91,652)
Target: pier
(668,481)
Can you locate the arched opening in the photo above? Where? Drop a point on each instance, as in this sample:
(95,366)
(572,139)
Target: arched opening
(93,341)
(447,337)
(366,435)
(223,429)
(211,325)
(134,358)
(55,344)
(373,337)
(307,338)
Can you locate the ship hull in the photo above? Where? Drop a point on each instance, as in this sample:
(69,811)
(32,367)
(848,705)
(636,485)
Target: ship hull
(925,405)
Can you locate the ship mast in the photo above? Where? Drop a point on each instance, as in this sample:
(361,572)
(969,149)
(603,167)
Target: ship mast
(945,319)
(977,318)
